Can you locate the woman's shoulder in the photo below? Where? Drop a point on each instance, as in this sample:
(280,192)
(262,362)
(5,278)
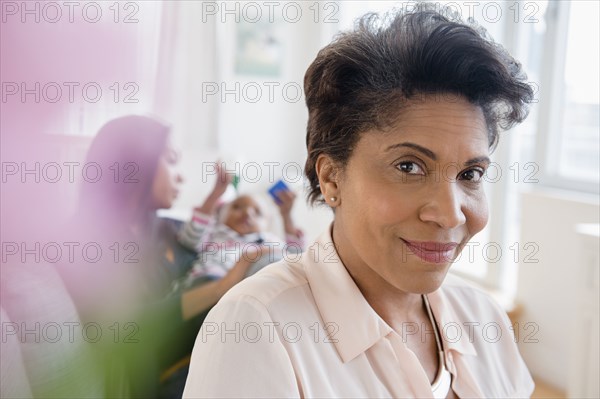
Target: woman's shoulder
(470,299)
(279,279)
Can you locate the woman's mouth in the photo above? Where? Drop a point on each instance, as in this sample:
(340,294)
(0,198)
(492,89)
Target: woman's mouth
(432,251)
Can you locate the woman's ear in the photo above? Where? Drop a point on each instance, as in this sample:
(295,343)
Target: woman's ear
(329,173)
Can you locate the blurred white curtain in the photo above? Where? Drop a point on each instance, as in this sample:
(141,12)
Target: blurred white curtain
(186,59)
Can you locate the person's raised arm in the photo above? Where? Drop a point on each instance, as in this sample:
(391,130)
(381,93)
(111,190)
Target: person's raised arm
(212,201)
(194,231)
(293,234)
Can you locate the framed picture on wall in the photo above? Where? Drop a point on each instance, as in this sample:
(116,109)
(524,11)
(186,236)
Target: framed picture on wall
(258,50)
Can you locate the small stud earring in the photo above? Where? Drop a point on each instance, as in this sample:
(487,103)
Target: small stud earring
(333,199)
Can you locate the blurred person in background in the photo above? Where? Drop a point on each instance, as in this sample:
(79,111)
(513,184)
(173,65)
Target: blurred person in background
(121,284)
(223,233)
(121,210)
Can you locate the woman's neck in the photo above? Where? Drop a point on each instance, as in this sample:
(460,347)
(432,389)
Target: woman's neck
(392,304)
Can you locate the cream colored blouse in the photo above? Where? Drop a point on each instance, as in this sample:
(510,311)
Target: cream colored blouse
(301,328)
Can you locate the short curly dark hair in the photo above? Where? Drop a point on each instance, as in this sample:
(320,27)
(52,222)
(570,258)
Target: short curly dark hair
(362,79)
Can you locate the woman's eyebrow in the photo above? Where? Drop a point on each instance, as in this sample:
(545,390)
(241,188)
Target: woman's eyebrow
(483,159)
(430,154)
(421,149)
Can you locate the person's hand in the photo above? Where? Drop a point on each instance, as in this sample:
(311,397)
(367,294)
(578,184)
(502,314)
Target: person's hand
(234,275)
(255,252)
(223,180)
(296,232)
(210,203)
(239,270)
(286,201)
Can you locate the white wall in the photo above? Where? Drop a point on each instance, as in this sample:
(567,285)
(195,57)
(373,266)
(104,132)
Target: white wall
(268,133)
(548,290)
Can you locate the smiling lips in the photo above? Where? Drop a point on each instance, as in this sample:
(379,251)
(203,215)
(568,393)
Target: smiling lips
(431,251)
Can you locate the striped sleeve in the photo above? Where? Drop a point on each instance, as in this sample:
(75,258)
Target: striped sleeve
(196,230)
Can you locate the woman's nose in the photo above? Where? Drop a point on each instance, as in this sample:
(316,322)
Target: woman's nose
(444,205)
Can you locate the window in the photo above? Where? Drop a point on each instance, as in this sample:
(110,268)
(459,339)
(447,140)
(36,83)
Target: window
(578,139)
(568,137)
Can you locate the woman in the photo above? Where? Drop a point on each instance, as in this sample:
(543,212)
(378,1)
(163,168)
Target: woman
(106,275)
(402,118)
(129,175)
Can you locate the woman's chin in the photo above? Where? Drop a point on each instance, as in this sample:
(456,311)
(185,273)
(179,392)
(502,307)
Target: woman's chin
(424,285)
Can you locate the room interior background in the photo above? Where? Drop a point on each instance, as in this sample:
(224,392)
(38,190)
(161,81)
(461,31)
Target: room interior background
(228,77)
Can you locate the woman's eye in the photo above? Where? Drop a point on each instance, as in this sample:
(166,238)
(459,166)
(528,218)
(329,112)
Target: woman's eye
(411,168)
(473,175)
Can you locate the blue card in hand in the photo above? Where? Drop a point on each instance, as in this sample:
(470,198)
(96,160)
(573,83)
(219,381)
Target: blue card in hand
(279,186)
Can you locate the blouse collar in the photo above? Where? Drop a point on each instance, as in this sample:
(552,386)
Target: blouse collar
(341,303)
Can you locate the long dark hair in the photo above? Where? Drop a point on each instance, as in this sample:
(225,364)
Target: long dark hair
(126,152)
(116,215)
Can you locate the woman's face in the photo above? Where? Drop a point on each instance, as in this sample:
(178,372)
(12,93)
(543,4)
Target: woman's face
(244,215)
(410,198)
(167,179)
